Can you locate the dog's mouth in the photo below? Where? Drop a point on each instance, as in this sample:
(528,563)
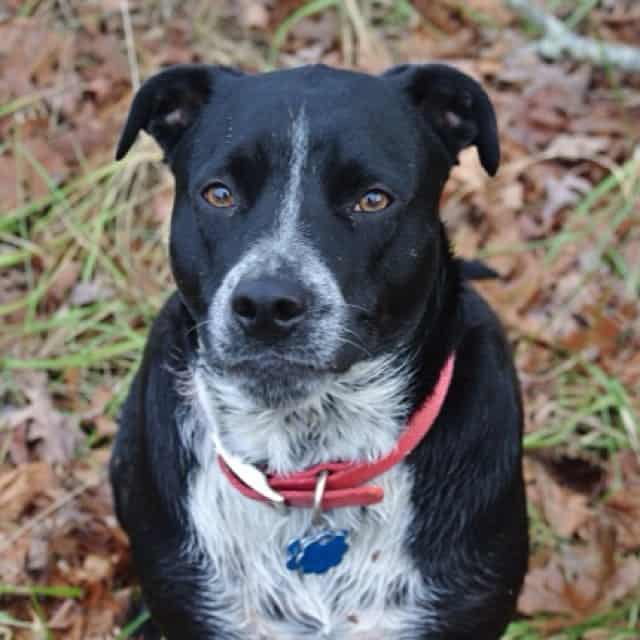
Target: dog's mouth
(274,380)
(277,365)
(278,372)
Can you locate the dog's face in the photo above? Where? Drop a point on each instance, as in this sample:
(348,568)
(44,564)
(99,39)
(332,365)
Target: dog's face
(305,234)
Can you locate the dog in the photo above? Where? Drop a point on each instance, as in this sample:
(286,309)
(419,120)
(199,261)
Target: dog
(323,439)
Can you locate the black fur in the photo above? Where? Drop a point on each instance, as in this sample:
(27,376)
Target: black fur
(469,536)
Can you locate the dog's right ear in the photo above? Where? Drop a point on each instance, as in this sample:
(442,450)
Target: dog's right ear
(167,104)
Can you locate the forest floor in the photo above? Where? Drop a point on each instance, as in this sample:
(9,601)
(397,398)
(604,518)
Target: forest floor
(84,269)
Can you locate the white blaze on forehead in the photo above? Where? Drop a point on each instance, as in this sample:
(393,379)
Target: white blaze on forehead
(285,246)
(292,197)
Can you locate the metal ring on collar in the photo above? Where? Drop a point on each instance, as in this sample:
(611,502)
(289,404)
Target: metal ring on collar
(318,494)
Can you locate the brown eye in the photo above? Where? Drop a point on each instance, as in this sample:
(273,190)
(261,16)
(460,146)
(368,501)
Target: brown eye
(374,200)
(218,195)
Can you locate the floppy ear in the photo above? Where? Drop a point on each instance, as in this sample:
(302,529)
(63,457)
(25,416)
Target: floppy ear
(457,107)
(167,104)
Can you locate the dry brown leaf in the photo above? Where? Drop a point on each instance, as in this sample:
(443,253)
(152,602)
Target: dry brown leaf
(100,621)
(543,591)
(88,292)
(564,510)
(580,580)
(96,567)
(563,191)
(253,14)
(20,486)
(576,146)
(40,151)
(55,433)
(64,279)
(440,14)
(623,510)
(495,10)
(13,560)
(63,615)
(598,329)
(38,555)
(625,580)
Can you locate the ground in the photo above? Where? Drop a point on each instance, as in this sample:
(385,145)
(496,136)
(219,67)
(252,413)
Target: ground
(83,270)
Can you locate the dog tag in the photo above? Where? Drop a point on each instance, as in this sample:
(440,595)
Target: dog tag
(317,553)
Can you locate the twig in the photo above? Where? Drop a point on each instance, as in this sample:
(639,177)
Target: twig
(131,49)
(558,39)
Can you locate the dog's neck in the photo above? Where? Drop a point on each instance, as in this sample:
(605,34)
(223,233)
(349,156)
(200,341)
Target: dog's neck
(356,416)
(439,332)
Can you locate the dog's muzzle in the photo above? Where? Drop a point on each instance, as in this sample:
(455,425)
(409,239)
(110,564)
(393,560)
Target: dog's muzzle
(276,323)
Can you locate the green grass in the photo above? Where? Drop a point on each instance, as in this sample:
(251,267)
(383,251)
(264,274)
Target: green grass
(592,411)
(133,626)
(120,244)
(34,593)
(62,591)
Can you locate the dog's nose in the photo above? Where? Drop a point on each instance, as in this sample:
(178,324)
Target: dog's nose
(268,307)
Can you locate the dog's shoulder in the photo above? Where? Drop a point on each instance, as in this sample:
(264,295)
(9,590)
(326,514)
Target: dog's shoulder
(483,339)
(147,433)
(472,459)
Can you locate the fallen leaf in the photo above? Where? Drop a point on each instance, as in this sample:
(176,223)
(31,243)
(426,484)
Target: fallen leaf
(63,280)
(625,580)
(561,192)
(254,15)
(88,292)
(543,591)
(576,146)
(564,510)
(622,507)
(581,579)
(20,486)
(38,556)
(54,432)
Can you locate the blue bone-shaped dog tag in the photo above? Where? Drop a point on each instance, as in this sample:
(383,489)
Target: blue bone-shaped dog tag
(317,553)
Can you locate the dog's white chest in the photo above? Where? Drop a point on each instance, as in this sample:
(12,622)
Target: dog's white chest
(374,593)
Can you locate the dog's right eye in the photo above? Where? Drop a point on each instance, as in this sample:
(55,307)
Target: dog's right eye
(374,200)
(218,195)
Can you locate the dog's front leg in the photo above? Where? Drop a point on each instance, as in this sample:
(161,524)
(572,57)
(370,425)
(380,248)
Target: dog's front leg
(175,588)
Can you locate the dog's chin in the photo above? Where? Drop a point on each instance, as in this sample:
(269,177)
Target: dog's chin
(277,383)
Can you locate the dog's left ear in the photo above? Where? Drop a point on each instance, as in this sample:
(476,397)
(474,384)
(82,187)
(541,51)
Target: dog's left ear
(457,107)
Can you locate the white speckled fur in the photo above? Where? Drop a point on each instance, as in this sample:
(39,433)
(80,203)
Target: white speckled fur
(376,592)
(292,199)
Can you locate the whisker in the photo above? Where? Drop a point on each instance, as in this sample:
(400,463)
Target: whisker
(198,325)
(355,344)
(357,307)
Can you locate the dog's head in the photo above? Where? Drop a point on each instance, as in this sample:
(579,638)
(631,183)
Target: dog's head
(305,235)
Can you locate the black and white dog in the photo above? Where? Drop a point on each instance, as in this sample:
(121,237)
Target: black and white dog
(273,468)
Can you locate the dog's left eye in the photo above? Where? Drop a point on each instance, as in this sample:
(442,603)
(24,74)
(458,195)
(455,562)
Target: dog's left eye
(218,195)
(374,200)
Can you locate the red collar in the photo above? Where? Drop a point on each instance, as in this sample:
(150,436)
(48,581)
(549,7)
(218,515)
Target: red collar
(344,485)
